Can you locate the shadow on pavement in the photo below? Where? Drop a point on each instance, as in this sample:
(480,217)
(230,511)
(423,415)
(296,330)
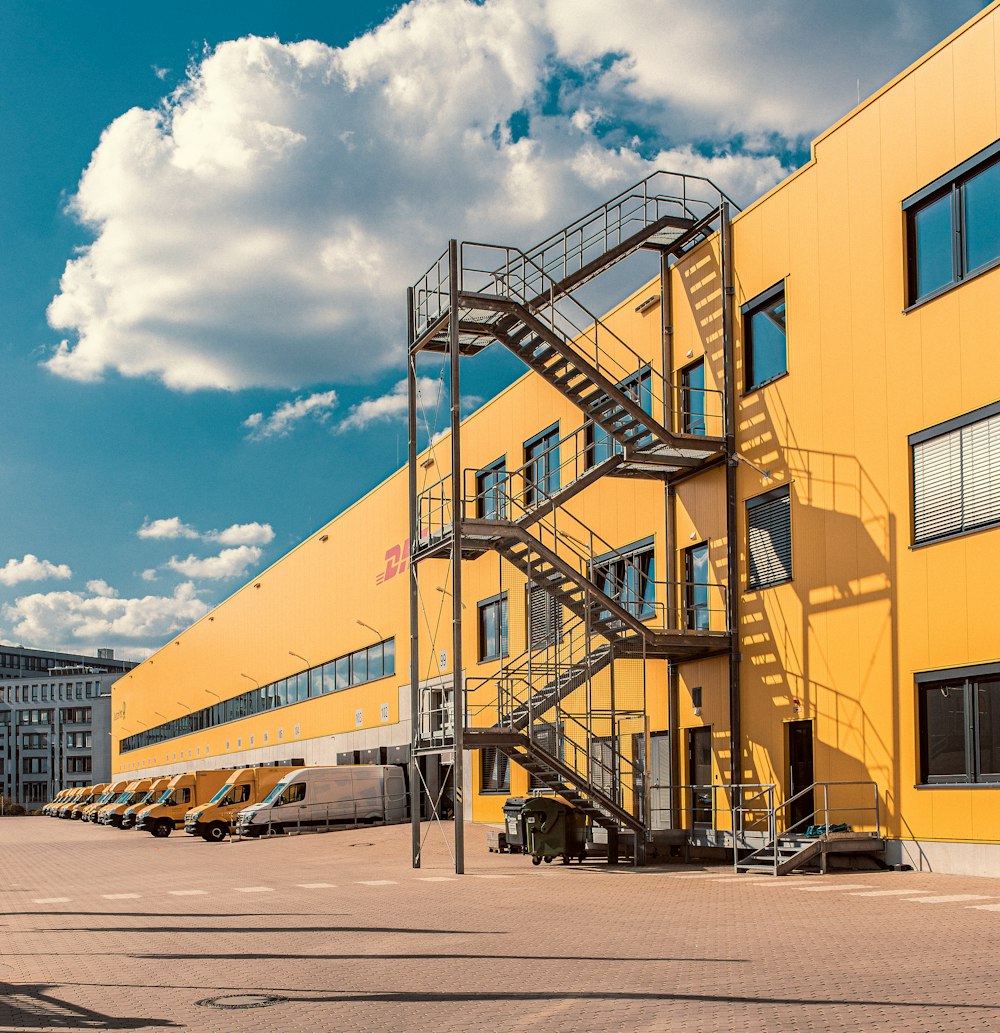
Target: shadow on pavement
(29,1006)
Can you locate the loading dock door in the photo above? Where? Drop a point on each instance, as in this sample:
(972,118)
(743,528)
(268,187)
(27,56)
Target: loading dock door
(800,773)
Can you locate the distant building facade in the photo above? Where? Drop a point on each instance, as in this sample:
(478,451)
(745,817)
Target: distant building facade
(55,719)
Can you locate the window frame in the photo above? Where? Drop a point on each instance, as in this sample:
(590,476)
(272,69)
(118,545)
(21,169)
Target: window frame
(497,491)
(951,184)
(600,567)
(532,485)
(499,602)
(754,502)
(748,310)
(939,430)
(927,681)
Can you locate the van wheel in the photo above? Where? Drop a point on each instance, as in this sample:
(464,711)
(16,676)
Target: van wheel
(215,833)
(161,829)
(275,830)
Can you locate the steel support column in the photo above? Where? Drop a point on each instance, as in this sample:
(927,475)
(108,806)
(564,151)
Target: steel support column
(411,415)
(732,514)
(458,690)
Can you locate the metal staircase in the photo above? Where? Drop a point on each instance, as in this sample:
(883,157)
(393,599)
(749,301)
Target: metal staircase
(635,425)
(792,843)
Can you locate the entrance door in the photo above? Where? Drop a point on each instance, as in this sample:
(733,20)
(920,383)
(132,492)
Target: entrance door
(700,775)
(660,813)
(800,773)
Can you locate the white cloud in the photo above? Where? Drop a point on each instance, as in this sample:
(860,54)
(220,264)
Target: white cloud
(242,534)
(392,406)
(288,415)
(253,533)
(31,568)
(229,563)
(259,227)
(168,527)
(150,574)
(78,621)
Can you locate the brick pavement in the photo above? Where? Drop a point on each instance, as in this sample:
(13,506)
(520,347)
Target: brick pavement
(110,930)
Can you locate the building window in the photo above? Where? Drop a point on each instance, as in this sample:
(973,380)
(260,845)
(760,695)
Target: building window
(769,538)
(628,576)
(494,773)
(79,765)
(599,444)
(764,346)
(493,628)
(693,398)
(541,470)
(953,226)
(696,612)
(545,619)
(491,491)
(956,476)
(959,715)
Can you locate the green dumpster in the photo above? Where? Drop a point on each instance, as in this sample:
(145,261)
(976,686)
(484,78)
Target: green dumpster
(554,829)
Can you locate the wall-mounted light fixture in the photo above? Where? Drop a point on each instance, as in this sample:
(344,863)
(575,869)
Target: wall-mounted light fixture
(358,620)
(737,458)
(248,678)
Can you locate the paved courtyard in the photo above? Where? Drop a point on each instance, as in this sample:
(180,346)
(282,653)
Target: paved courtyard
(110,930)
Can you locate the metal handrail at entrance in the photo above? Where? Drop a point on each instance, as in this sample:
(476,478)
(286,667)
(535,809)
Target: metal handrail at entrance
(757,813)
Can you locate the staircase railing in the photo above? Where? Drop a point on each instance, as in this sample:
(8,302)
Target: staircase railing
(588,238)
(758,813)
(538,669)
(687,606)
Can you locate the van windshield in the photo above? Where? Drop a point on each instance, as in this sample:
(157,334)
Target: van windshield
(275,792)
(167,798)
(230,794)
(221,793)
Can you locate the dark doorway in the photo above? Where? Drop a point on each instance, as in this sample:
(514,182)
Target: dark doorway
(800,774)
(700,775)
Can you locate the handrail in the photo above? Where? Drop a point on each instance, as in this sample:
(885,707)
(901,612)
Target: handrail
(773,813)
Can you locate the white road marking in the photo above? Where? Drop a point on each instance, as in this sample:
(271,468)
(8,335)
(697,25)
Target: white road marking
(120,896)
(50,900)
(887,893)
(984,907)
(953,898)
(316,885)
(833,889)
(187,893)
(254,889)
(434,878)
(481,876)
(377,882)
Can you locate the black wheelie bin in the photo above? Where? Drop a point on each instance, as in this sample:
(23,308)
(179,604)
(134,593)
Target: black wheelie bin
(554,829)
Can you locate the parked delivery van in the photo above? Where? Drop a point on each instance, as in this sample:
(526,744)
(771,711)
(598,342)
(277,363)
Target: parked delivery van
(112,813)
(309,799)
(214,821)
(153,793)
(184,791)
(113,791)
(92,793)
(51,809)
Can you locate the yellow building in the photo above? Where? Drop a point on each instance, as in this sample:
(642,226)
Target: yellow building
(792,432)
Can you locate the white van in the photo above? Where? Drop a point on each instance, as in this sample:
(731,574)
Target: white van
(315,799)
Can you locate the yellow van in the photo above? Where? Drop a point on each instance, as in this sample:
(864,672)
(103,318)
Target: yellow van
(112,814)
(190,789)
(75,808)
(90,811)
(216,819)
(52,807)
(153,793)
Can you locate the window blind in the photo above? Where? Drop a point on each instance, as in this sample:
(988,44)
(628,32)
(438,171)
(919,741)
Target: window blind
(956,480)
(769,535)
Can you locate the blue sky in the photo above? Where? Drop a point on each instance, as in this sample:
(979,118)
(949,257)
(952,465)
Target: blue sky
(210,213)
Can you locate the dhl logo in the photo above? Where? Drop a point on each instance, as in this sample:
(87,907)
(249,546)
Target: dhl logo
(396,560)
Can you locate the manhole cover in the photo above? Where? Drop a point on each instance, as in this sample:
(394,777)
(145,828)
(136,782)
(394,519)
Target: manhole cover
(228,1001)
